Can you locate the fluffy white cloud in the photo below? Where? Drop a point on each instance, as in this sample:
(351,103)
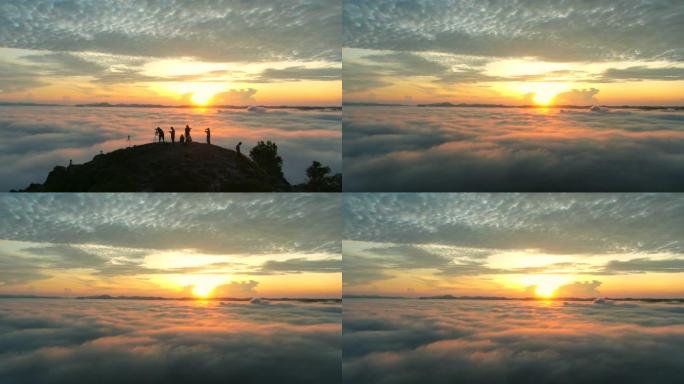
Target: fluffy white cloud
(577,97)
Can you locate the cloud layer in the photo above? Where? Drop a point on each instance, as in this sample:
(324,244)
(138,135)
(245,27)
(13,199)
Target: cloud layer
(239,223)
(433,50)
(38,138)
(462,149)
(66,341)
(113,234)
(553,223)
(225,31)
(550,30)
(438,240)
(402,341)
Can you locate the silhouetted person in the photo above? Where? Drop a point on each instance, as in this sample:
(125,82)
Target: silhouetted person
(182,139)
(160,133)
(237,148)
(188,138)
(208,132)
(173,135)
(70,163)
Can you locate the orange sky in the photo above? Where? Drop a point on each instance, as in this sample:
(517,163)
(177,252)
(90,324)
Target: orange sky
(174,245)
(510,52)
(520,81)
(514,245)
(197,53)
(184,81)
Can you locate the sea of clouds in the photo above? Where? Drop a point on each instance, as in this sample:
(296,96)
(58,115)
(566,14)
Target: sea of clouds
(70,341)
(35,139)
(509,149)
(414,341)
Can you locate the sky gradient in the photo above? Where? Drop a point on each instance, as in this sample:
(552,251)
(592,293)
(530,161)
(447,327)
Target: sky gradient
(171,52)
(520,52)
(181,245)
(514,245)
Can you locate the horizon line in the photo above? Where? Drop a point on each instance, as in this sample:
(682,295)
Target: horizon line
(504,298)
(184,298)
(133,105)
(485,105)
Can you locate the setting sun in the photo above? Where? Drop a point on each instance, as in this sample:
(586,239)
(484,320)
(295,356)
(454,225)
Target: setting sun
(203,290)
(544,286)
(545,291)
(543,93)
(202,98)
(543,98)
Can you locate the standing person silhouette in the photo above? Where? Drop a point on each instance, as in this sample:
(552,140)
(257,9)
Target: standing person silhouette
(188,139)
(161,135)
(208,132)
(237,148)
(172,131)
(182,139)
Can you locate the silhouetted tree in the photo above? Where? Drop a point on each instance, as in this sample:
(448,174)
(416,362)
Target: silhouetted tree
(319,181)
(265,154)
(316,173)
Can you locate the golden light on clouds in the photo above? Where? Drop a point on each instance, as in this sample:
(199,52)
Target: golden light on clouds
(178,81)
(511,81)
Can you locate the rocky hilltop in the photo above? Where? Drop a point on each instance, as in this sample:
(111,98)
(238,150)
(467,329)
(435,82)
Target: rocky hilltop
(163,167)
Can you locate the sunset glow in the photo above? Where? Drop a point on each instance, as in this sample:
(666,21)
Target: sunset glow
(543,93)
(210,247)
(515,245)
(202,98)
(250,53)
(545,291)
(513,53)
(202,291)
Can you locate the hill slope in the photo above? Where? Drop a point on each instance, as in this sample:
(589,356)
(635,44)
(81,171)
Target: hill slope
(163,167)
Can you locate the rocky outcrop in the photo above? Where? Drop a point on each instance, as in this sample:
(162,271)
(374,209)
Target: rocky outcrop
(163,167)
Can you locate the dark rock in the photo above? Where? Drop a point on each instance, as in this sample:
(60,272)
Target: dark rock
(163,167)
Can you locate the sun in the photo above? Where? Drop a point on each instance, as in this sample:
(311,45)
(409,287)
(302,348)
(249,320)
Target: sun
(544,93)
(203,290)
(543,97)
(545,291)
(545,286)
(202,98)
(201,94)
